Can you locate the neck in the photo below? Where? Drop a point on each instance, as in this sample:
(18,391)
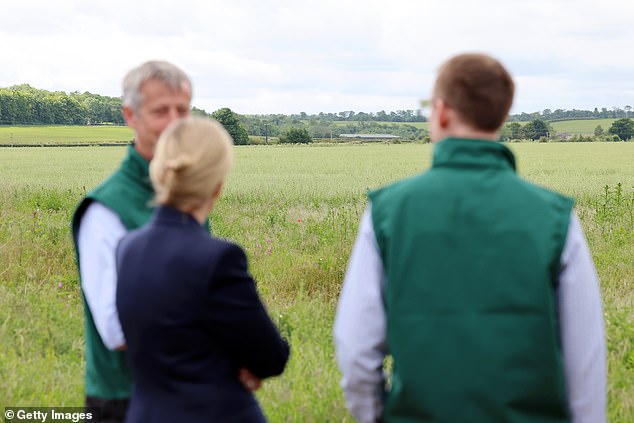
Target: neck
(200,214)
(448,123)
(202,211)
(468,132)
(147,155)
(481,135)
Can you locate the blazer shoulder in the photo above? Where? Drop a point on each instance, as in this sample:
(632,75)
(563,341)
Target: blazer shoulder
(128,240)
(226,250)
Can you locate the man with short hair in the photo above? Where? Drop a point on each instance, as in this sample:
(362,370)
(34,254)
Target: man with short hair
(155,94)
(479,284)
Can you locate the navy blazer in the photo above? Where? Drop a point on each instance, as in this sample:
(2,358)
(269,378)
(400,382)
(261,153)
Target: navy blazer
(191,317)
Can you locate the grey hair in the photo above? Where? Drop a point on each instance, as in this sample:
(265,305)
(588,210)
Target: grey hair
(163,71)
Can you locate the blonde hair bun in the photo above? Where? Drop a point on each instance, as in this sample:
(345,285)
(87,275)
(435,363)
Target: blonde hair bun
(179,163)
(191,161)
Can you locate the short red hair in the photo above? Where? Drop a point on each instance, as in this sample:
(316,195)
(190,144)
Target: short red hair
(478,87)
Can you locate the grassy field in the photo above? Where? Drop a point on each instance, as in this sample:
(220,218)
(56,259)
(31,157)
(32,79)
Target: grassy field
(38,134)
(295,210)
(585,127)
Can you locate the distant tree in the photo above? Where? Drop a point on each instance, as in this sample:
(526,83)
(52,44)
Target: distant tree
(515,130)
(296,136)
(536,129)
(27,105)
(581,138)
(598,131)
(199,112)
(231,122)
(624,128)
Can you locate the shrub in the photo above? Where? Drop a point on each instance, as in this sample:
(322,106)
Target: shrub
(296,136)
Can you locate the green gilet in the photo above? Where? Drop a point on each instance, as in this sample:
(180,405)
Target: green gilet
(472,257)
(128,192)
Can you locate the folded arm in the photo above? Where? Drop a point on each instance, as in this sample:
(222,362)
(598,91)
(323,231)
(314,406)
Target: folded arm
(239,320)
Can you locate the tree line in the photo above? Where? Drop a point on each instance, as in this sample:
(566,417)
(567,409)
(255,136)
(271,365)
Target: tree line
(539,130)
(351,116)
(574,114)
(26,105)
(279,125)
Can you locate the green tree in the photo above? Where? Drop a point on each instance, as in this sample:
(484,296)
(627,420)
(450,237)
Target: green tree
(624,128)
(536,129)
(199,112)
(296,136)
(231,122)
(515,131)
(598,131)
(8,111)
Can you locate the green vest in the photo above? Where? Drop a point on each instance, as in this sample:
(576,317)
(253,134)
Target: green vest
(128,192)
(472,257)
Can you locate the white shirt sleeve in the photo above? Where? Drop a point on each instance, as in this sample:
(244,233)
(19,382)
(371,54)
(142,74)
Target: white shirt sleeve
(360,327)
(100,231)
(582,329)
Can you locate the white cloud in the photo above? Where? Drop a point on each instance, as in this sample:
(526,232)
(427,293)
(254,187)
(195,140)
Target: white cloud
(272,56)
(309,101)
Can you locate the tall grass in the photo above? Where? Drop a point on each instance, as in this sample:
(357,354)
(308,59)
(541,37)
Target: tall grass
(61,134)
(295,210)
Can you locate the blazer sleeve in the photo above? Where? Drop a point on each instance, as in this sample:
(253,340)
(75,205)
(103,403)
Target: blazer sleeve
(239,321)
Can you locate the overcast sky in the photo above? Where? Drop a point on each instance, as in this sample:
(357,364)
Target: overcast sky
(289,56)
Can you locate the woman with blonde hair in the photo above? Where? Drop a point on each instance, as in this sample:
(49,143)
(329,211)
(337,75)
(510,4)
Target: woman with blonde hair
(199,339)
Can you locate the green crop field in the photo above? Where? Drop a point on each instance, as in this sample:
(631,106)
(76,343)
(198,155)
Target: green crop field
(38,134)
(581,126)
(295,210)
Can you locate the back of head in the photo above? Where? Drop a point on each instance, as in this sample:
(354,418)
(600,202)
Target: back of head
(478,88)
(191,162)
(169,74)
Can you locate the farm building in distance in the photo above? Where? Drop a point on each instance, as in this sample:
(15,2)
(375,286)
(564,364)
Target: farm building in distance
(370,137)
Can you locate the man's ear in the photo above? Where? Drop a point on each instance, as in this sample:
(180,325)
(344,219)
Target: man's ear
(443,113)
(129,116)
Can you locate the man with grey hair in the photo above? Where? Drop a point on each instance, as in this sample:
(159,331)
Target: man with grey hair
(155,94)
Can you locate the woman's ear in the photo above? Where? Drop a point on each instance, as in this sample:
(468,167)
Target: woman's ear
(217,191)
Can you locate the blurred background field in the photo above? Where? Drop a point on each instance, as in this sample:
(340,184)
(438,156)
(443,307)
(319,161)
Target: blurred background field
(60,134)
(26,135)
(295,210)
